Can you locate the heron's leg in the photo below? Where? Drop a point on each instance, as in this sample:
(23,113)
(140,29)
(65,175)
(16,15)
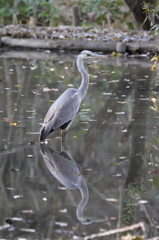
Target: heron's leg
(63,146)
(63,134)
(69,125)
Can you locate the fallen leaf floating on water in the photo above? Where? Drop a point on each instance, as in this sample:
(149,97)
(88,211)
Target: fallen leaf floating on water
(6,120)
(121,102)
(32,111)
(31,117)
(33,68)
(63,210)
(117,164)
(150,180)
(62,188)
(32,143)
(65,232)
(32,133)
(62,224)
(111,199)
(115,54)
(17,196)
(86,110)
(27,229)
(13,124)
(113,81)
(105,93)
(113,218)
(119,113)
(49,89)
(12,189)
(142,201)
(93,83)
(44,199)
(27,211)
(155,59)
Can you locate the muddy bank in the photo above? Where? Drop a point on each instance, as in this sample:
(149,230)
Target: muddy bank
(79,38)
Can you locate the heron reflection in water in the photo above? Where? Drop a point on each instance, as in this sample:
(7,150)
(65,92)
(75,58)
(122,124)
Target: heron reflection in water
(66,107)
(67,172)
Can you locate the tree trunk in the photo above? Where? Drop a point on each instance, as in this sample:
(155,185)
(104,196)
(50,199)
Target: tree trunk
(136,7)
(76,16)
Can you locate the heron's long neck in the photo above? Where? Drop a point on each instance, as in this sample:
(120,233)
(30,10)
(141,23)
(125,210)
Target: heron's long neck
(85,196)
(85,79)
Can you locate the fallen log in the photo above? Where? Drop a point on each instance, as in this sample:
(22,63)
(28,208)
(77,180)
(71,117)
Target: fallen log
(79,45)
(59,44)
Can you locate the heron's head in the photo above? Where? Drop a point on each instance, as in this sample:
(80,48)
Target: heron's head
(89,54)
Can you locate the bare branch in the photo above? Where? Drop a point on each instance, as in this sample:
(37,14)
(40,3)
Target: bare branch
(119,230)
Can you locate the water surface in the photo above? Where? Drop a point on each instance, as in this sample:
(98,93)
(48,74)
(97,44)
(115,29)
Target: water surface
(105,175)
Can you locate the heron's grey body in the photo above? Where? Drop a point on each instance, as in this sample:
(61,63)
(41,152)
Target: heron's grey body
(61,113)
(67,106)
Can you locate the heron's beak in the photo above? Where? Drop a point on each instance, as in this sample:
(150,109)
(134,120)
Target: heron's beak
(99,56)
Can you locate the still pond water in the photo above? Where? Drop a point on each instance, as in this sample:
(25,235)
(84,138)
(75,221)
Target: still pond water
(105,175)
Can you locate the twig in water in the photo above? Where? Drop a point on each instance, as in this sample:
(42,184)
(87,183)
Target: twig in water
(119,230)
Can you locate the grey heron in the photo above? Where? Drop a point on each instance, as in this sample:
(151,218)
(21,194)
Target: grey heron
(63,167)
(66,107)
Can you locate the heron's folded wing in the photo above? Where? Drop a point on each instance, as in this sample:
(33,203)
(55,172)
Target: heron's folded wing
(64,109)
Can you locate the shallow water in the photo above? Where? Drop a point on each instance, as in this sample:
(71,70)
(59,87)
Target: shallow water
(107,175)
